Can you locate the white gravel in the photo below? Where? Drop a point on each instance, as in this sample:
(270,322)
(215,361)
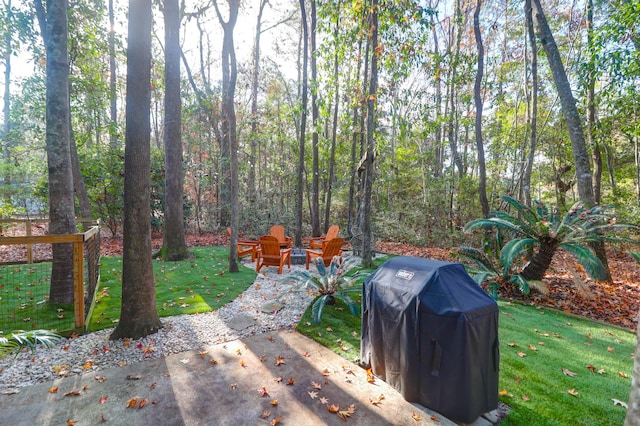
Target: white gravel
(92,352)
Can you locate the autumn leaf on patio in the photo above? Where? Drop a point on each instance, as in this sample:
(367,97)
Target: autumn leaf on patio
(213,361)
(316,385)
(72,393)
(325,372)
(377,400)
(415,416)
(333,408)
(103,399)
(133,402)
(313,394)
(324,400)
(279,360)
(143,403)
(70,422)
(276,421)
(263,391)
(242,364)
(290,382)
(569,373)
(274,402)
(265,414)
(618,402)
(100,379)
(573,392)
(53,389)
(370,377)
(344,414)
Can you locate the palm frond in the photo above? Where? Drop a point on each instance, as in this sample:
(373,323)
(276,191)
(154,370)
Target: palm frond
(635,255)
(354,307)
(592,265)
(318,308)
(477,256)
(521,283)
(513,250)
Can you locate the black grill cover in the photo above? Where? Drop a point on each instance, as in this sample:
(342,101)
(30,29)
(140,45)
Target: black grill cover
(431,332)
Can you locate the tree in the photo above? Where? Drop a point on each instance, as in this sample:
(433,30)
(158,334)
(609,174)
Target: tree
(54,29)
(367,236)
(229,135)
(315,173)
(303,124)
(174,246)
(573,120)
(477,95)
(139,315)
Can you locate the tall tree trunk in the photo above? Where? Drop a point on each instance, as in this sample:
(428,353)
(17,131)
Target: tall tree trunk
(174,245)
(477,95)
(372,100)
(78,183)
(540,261)
(596,154)
(6,109)
(351,213)
(334,131)
(113,96)
(573,120)
(452,136)
(139,315)
(303,124)
(229,133)
(532,105)
(255,78)
(315,172)
(53,26)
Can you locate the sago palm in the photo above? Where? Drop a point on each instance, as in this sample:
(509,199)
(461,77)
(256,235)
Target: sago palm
(541,230)
(26,339)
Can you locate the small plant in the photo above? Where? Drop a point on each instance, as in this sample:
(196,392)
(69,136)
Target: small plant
(331,283)
(26,339)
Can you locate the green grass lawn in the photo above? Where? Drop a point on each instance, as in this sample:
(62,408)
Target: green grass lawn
(544,355)
(200,284)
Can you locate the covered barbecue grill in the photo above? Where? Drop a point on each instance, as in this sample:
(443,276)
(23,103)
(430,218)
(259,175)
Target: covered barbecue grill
(431,332)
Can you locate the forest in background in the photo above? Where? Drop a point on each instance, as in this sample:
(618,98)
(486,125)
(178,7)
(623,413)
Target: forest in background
(427,175)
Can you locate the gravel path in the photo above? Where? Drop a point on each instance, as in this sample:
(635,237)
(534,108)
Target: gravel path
(266,306)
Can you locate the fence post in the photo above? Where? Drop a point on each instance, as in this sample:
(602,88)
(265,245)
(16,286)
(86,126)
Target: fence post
(78,284)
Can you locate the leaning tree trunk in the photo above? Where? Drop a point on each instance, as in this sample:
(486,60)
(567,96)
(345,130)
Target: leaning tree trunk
(573,120)
(540,261)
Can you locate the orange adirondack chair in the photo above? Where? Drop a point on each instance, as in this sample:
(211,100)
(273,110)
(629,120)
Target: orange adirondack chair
(271,255)
(246,247)
(331,248)
(318,242)
(278,232)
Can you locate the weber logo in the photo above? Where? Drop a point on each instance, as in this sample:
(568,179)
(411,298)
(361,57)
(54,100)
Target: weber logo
(405,275)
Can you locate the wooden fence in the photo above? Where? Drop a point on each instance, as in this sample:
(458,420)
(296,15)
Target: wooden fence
(86,260)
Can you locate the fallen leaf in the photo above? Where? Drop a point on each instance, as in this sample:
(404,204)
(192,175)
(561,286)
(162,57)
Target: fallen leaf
(611,349)
(130,377)
(435,418)
(591,367)
(202,354)
(70,422)
(333,408)
(184,361)
(276,421)
(526,398)
(512,344)
(316,385)
(274,402)
(370,377)
(325,372)
(415,416)
(502,392)
(100,379)
(622,374)
(290,382)
(533,348)
(569,373)
(133,402)
(72,393)
(265,414)
(103,399)
(213,361)
(234,386)
(377,400)
(324,400)
(53,389)
(313,394)
(602,371)
(522,354)
(152,386)
(279,360)
(344,414)
(242,364)
(573,392)
(143,403)
(263,391)
(618,402)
